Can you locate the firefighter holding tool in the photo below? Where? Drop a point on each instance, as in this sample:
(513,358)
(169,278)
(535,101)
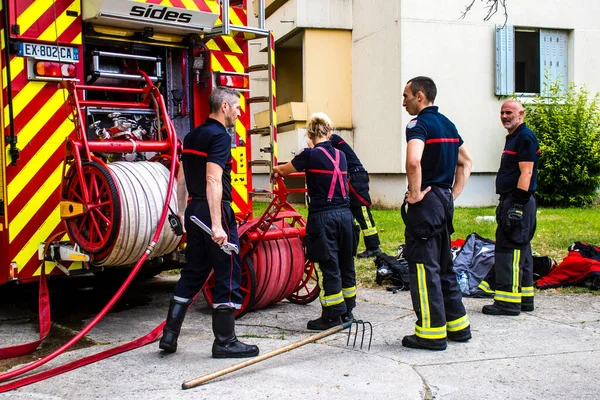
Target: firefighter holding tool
(331,235)
(438,166)
(206,176)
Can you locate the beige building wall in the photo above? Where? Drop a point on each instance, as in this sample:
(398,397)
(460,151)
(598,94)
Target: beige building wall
(393,41)
(328,74)
(289,75)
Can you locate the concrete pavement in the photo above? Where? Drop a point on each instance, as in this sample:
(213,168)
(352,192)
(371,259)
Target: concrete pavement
(550,353)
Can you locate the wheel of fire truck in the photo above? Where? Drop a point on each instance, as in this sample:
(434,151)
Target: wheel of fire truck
(95,229)
(247,287)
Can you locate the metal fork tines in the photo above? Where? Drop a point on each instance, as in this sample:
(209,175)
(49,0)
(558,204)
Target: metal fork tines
(360,323)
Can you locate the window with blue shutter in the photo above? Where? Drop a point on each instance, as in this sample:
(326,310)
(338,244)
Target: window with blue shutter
(527,58)
(554,57)
(505,59)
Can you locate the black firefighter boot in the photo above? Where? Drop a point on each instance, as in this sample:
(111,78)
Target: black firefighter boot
(226,344)
(177,309)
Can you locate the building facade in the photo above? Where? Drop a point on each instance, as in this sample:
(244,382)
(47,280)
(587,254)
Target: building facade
(352,59)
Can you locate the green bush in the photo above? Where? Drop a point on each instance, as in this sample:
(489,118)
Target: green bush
(567,124)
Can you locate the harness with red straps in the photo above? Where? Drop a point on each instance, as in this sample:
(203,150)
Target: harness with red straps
(337,173)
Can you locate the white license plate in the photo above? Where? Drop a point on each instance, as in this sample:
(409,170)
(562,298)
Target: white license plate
(49,52)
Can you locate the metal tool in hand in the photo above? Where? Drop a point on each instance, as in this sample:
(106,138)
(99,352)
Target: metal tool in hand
(227,247)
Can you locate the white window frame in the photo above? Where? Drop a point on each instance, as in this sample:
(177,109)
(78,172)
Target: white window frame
(554,59)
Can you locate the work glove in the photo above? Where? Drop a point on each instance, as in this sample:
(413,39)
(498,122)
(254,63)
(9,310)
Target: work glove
(515,213)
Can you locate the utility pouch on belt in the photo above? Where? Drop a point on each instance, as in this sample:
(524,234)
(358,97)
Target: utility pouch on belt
(316,247)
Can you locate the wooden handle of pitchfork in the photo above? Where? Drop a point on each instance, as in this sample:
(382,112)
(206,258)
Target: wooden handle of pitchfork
(313,338)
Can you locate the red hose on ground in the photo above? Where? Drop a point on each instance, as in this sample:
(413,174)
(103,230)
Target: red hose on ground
(137,343)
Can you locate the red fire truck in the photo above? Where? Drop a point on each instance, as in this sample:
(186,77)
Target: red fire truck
(97,95)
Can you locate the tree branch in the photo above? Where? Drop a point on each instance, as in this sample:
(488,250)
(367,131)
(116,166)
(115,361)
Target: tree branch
(492,8)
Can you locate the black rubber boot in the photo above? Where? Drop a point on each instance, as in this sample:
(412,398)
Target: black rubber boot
(464,335)
(527,304)
(415,342)
(369,253)
(323,323)
(226,344)
(496,309)
(177,309)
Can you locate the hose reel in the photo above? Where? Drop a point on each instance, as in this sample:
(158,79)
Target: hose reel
(123,210)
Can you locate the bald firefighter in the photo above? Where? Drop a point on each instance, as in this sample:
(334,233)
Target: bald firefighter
(438,166)
(516,216)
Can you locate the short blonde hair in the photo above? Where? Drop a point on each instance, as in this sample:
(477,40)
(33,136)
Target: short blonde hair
(319,125)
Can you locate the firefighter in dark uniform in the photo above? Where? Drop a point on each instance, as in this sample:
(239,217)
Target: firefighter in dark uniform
(331,235)
(360,200)
(206,166)
(515,215)
(438,166)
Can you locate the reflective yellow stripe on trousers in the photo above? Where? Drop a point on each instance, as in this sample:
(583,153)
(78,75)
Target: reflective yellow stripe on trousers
(371,230)
(458,324)
(332,299)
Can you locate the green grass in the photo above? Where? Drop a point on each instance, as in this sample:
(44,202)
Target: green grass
(557,228)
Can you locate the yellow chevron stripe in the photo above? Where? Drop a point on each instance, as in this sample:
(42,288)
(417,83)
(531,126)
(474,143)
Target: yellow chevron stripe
(37,161)
(214,7)
(50,267)
(235,63)
(190,5)
(40,119)
(1,34)
(216,65)
(233,17)
(24,97)
(240,129)
(242,191)
(17,65)
(212,45)
(77,39)
(243,103)
(33,13)
(31,247)
(62,23)
(232,44)
(166,3)
(19,222)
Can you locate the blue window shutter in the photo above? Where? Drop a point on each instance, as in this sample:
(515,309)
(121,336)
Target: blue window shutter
(505,60)
(554,57)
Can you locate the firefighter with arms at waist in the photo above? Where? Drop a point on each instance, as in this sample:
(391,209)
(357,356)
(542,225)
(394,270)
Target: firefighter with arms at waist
(360,200)
(331,235)
(438,166)
(515,215)
(206,175)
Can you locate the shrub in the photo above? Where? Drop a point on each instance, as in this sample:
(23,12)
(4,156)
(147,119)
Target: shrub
(567,124)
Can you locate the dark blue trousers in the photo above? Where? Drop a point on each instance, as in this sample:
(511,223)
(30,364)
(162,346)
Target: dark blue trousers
(435,294)
(203,255)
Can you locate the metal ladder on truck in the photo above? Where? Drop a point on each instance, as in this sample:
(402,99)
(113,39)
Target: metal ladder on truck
(251,33)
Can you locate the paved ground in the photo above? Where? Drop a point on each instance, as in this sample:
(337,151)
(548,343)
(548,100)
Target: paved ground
(551,353)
